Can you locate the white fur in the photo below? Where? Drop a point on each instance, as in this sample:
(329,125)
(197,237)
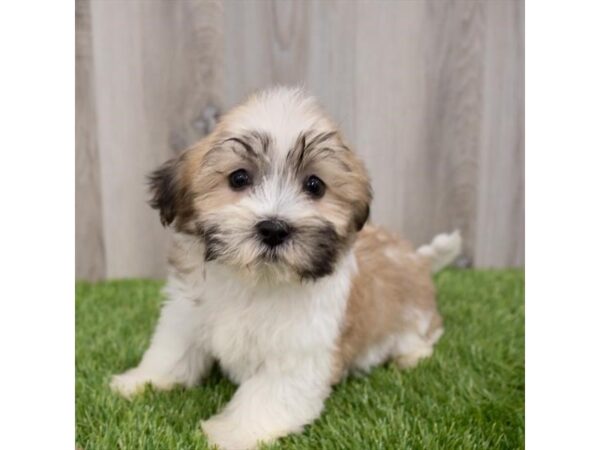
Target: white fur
(443,250)
(275,340)
(284,113)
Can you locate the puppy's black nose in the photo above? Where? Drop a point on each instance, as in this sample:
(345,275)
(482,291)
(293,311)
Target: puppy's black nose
(273,232)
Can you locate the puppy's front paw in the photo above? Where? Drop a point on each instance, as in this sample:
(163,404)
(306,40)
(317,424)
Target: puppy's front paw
(134,381)
(228,434)
(128,383)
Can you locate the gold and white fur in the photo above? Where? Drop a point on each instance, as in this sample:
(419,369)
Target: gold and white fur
(288,323)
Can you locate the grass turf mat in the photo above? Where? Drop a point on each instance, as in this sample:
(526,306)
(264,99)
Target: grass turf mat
(469,395)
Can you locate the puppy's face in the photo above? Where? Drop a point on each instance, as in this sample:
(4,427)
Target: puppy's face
(273,191)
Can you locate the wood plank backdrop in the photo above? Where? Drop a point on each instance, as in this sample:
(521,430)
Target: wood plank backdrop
(430,93)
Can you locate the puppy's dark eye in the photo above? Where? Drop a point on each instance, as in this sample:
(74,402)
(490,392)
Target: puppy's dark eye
(314,186)
(239,179)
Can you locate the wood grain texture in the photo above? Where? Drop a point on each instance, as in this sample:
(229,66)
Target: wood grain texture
(500,239)
(420,112)
(429,92)
(309,43)
(157,70)
(89,238)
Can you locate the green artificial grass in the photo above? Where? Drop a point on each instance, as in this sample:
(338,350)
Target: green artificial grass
(469,395)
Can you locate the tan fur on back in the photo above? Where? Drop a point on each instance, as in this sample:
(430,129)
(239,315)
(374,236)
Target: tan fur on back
(392,283)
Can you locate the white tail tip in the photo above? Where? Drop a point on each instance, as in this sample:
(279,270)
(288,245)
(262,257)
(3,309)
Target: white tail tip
(443,250)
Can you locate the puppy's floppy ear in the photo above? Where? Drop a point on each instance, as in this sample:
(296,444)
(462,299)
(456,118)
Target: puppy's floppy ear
(361,215)
(168,192)
(354,185)
(362,193)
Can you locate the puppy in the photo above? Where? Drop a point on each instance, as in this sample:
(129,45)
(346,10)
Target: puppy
(275,275)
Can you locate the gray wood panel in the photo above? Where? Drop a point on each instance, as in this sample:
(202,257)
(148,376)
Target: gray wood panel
(419,102)
(500,239)
(89,236)
(429,92)
(309,43)
(157,69)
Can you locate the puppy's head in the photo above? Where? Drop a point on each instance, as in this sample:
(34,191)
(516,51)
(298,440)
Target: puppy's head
(273,190)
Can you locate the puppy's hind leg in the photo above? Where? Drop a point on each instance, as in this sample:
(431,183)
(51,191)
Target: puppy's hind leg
(411,347)
(408,360)
(173,358)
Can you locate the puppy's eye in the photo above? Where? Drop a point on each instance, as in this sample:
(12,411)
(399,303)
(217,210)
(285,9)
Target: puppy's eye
(239,179)
(314,186)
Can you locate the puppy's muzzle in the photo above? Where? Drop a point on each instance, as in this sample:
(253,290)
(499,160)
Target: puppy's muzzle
(273,232)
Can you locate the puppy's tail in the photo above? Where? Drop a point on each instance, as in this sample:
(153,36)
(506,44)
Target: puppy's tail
(443,250)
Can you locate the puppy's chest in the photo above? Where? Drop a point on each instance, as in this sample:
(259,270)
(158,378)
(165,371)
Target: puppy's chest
(247,328)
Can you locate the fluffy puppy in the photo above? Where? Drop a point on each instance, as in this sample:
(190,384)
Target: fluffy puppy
(274,274)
